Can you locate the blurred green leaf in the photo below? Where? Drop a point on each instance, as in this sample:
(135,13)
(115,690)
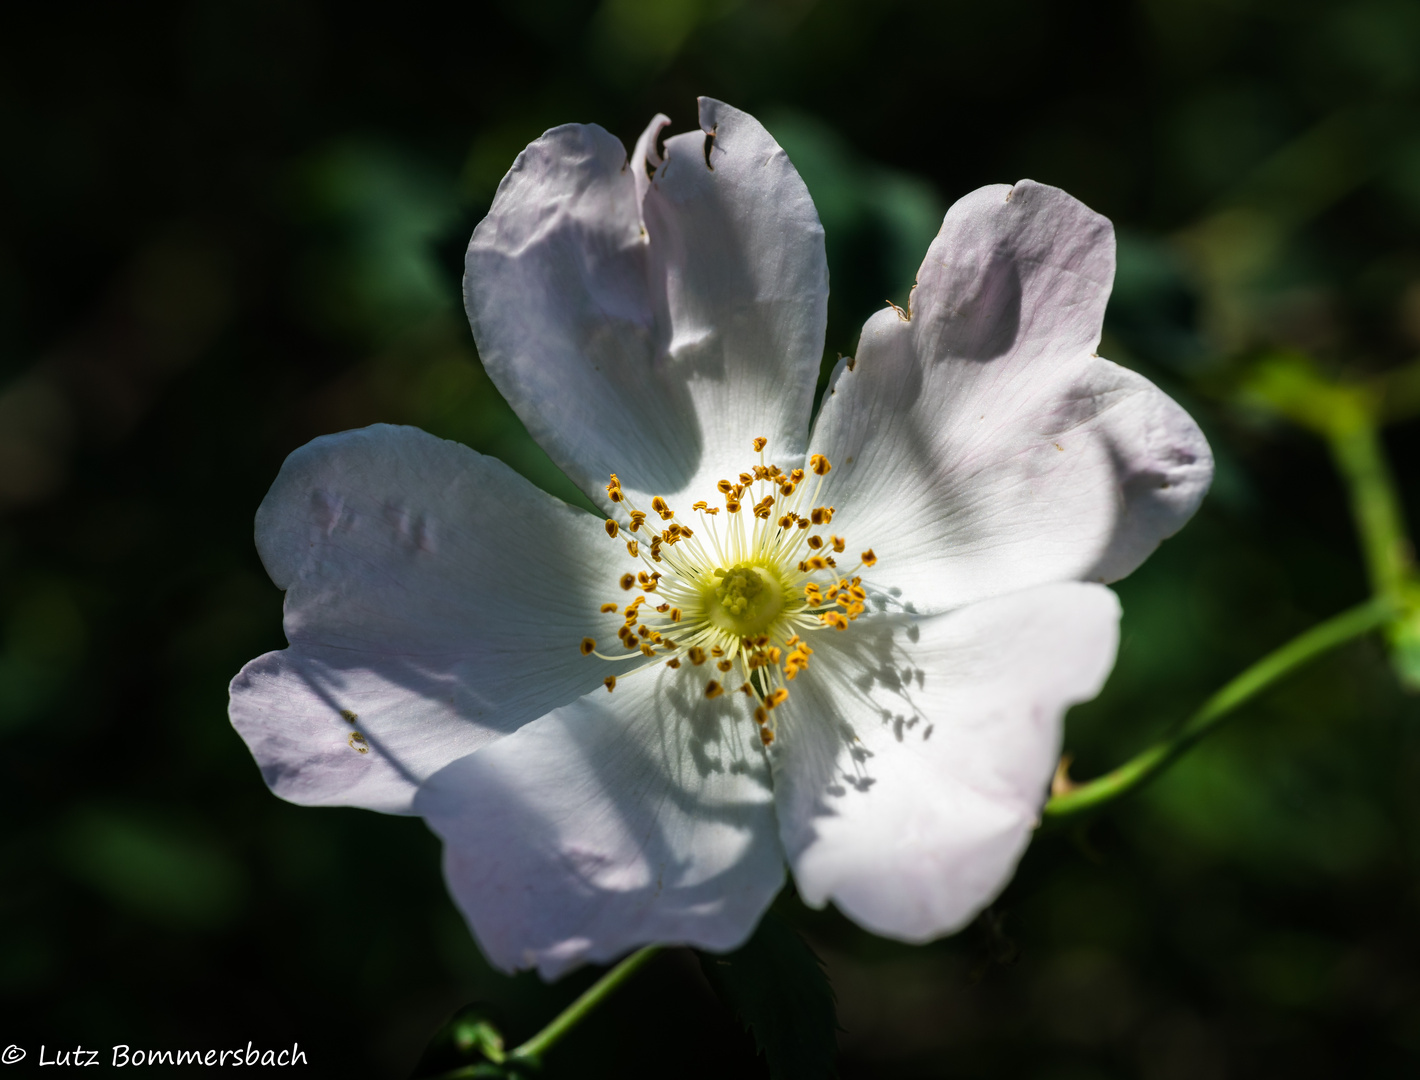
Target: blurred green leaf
(777,988)
(156,869)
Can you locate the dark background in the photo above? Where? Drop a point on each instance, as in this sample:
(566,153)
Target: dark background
(228,227)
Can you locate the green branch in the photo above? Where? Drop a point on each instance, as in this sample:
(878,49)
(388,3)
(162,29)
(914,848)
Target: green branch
(539,1044)
(1301,650)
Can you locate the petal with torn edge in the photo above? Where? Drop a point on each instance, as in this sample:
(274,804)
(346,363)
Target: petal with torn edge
(640,816)
(981,447)
(909,774)
(651,317)
(435,600)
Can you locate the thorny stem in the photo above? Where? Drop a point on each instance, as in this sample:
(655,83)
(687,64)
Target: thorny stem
(1300,650)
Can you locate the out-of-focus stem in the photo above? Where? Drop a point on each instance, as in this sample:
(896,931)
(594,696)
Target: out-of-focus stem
(1300,650)
(1356,447)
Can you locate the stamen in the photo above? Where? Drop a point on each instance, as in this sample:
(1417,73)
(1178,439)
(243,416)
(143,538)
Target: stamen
(743,594)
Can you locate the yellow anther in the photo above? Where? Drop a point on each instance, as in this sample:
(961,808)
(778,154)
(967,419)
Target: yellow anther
(817,562)
(717,651)
(778,697)
(713,511)
(835,619)
(869,558)
(659,505)
(637,517)
(837,543)
(760,472)
(588,644)
(675,614)
(644,631)
(713,689)
(697,655)
(633,549)
(724,487)
(608,608)
(815,541)
(663,608)
(746,689)
(760,443)
(761,715)
(724,665)
(746,479)
(673,664)
(796,475)
(628,580)
(766,736)
(701,505)
(612,528)
(787,521)
(610,683)
(732,506)
(786,490)
(647,650)
(820,465)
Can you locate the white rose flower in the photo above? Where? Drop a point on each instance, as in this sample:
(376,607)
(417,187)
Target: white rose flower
(847,648)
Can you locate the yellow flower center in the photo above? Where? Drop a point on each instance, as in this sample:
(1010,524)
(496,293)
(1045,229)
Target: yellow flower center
(738,593)
(746,600)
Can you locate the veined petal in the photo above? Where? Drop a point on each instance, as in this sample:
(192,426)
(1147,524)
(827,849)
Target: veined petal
(982,443)
(913,759)
(435,600)
(640,816)
(650,316)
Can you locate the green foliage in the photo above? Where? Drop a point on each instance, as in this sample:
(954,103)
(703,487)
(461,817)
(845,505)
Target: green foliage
(776,987)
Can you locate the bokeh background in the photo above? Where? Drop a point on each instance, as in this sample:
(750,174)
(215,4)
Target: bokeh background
(228,226)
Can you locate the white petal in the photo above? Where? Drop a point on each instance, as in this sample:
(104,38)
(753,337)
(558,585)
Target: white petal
(913,759)
(433,594)
(640,816)
(982,447)
(653,327)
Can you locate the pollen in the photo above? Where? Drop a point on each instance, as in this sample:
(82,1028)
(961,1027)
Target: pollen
(744,592)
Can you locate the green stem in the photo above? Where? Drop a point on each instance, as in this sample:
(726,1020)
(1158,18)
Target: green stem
(1319,639)
(1356,448)
(570,1017)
